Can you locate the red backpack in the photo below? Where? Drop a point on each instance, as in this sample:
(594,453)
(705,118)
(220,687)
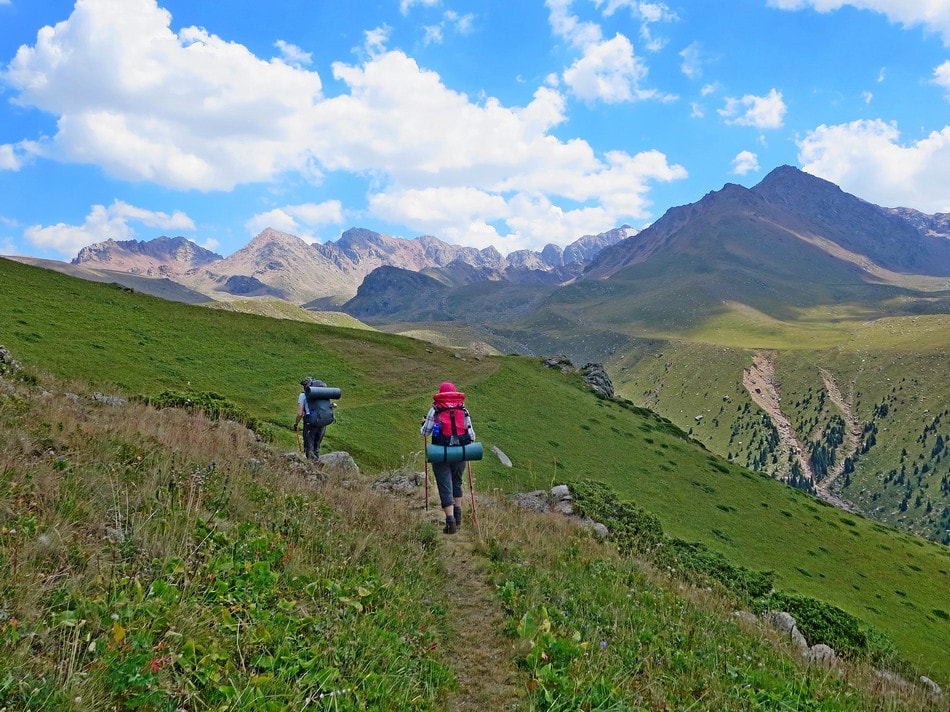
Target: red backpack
(450,417)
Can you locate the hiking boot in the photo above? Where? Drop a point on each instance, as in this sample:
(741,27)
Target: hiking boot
(450,526)
(458,516)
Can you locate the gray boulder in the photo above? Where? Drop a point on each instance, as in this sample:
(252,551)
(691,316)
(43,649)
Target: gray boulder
(596,377)
(784,623)
(536,501)
(337,463)
(821,654)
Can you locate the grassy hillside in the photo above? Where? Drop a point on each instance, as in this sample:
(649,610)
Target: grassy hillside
(890,374)
(547,423)
(163,561)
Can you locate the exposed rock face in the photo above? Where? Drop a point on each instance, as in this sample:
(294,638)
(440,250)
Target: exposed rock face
(8,364)
(163,256)
(596,377)
(594,374)
(277,264)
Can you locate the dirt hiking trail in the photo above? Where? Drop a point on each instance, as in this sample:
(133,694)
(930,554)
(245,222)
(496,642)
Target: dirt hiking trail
(481,656)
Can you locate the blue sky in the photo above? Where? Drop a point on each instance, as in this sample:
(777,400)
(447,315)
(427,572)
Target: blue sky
(512,123)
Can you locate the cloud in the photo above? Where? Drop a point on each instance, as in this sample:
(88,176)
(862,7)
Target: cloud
(13,156)
(761,112)
(692,65)
(102,224)
(608,70)
(867,159)
(648,13)
(186,110)
(375,40)
(942,77)
(9,160)
(569,27)
(297,219)
(406,5)
(461,24)
(745,162)
(293,55)
(189,110)
(932,14)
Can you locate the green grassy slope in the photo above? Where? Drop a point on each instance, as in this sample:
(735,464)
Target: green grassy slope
(548,424)
(146,577)
(891,373)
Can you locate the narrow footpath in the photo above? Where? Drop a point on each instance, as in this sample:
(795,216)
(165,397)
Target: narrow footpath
(480,654)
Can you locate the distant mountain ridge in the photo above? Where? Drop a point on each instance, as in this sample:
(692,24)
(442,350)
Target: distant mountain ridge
(277,264)
(162,256)
(793,204)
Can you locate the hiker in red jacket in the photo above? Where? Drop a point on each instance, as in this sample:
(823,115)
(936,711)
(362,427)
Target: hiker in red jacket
(449,423)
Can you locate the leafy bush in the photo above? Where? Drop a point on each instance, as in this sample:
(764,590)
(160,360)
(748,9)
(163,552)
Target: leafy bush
(822,622)
(632,527)
(637,531)
(214,406)
(697,559)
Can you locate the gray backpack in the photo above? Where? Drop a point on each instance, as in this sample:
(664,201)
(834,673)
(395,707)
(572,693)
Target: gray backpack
(319,409)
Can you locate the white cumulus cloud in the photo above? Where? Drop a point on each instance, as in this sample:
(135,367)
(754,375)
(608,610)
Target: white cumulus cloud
(761,112)
(607,70)
(189,110)
(932,14)
(745,162)
(297,219)
(186,110)
(868,159)
(942,77)
(292,54)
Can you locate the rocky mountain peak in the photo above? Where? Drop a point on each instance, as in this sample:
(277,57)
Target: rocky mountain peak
(159,257)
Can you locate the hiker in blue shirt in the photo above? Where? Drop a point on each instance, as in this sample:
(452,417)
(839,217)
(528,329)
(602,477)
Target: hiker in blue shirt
(314,423)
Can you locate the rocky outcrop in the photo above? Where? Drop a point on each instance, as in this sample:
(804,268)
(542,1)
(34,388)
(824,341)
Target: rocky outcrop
(8,364)
(594,374)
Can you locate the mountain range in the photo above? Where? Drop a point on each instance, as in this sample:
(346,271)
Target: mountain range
(278,265)
(749,318)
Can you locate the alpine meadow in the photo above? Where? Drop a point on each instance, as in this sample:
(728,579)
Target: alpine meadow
(166,547)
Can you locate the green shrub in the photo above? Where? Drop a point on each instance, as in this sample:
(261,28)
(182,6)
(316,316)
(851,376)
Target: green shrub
(694,559)
(214,406)
(632,527)
(822,622)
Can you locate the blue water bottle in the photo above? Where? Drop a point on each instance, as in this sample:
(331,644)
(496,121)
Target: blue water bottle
(436,430)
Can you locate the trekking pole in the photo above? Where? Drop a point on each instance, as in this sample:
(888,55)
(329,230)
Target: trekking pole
(471,487)
(426,461)
(297,433)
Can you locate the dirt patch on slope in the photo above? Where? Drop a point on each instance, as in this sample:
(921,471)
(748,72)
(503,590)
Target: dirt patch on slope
(759,381)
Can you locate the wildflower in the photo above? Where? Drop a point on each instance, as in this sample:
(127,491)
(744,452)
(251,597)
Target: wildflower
(603,645)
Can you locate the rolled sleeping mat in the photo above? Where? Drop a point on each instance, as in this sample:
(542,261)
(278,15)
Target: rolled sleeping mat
(321,393)
(453,453)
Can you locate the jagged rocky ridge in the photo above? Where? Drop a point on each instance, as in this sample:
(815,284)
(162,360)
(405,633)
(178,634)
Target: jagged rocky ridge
(277,264)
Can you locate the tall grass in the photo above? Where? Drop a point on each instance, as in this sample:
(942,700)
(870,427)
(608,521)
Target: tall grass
(160,560)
